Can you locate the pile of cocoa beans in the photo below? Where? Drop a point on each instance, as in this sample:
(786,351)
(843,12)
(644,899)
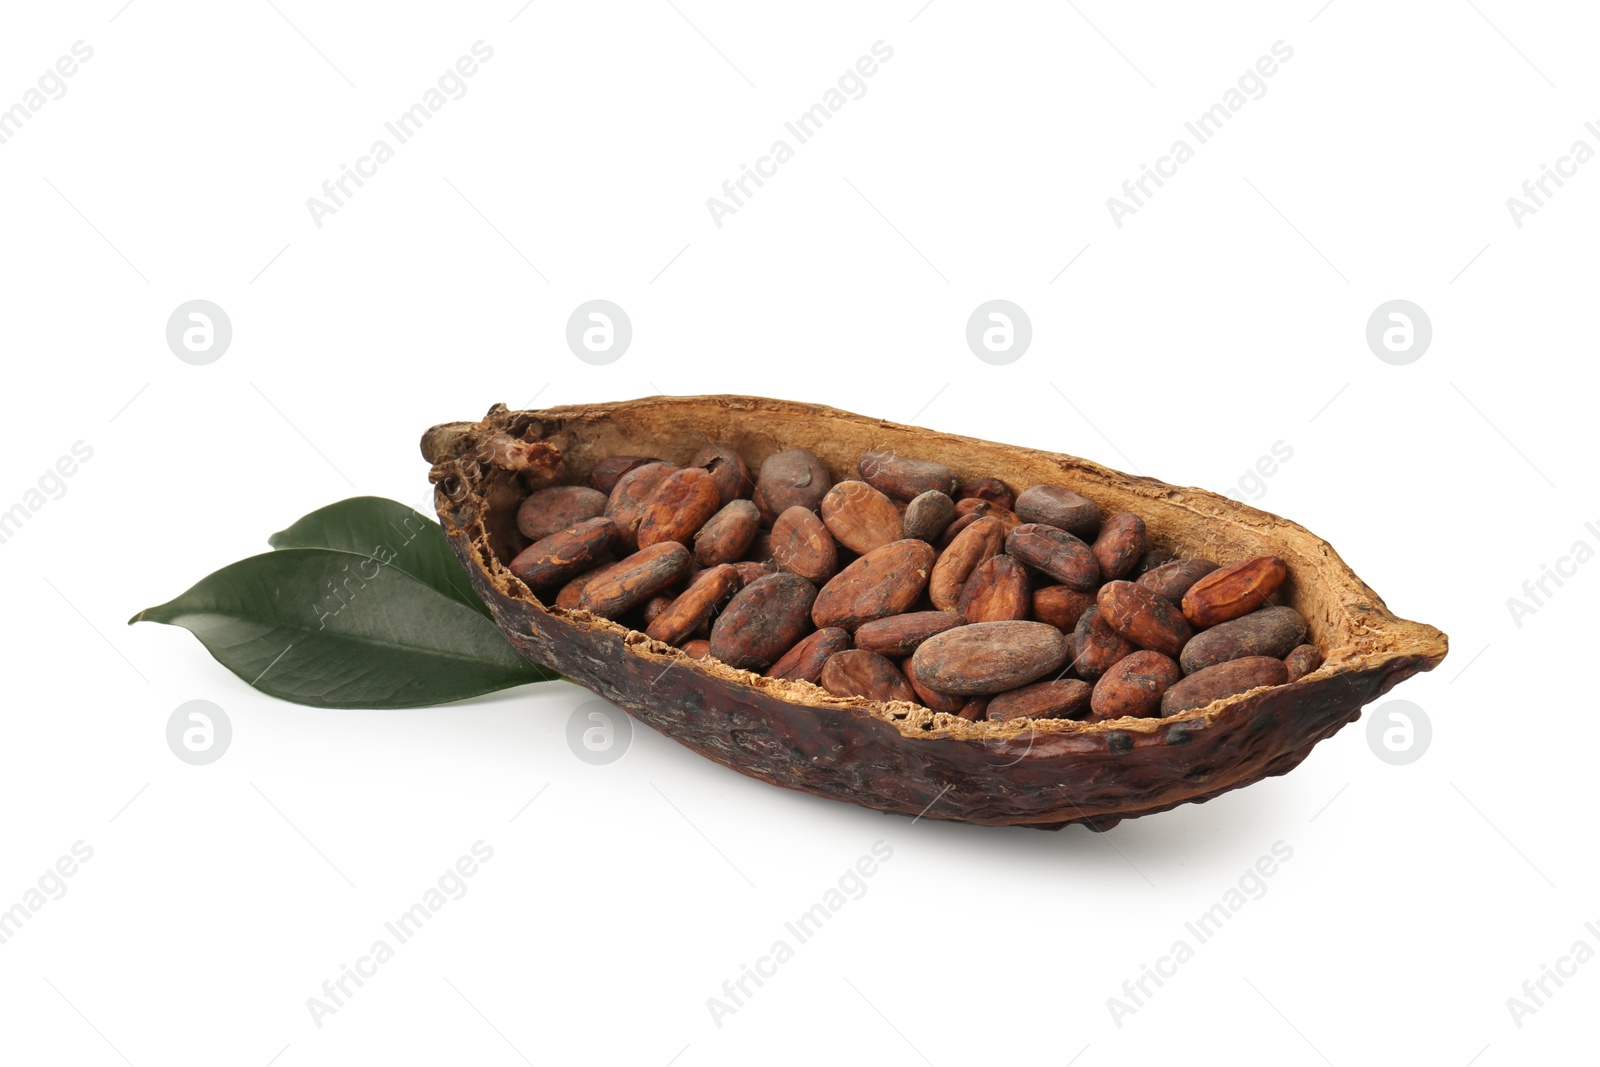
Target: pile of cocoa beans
(908,584)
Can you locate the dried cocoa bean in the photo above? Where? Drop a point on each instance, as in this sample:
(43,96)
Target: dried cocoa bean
(1153,558)
(803,662)
(991,489)
(904,478)
(789,478)
(858,673)
(749,570)
(568,596)
(884,582)
(928,515)
(763,621)
(932,699)
(801,544)
(679,507)
(727,469)
(636,579)
(728,534)
(1055,506)
(693,607)
(1064,698)
(981,508)
(1173,579)
(697,649)
(1057,553)
(954,530)
(899,635)
(1120,545)
(978,542)
(985,658)
(1233,591)
(1301,661)
(1061,606)
(607,471)
(860,517)
(973,710)
(654,607)
(630,495)
(1096,647)
(1264,632)
(1224,680)
(564,555)
(1142,617)
(995,592)
(554,508)
(1134,686)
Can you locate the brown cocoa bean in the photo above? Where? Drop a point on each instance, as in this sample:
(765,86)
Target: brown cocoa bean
(1061,606)
(693,607)
(1056,506)
(953,531)
(630,495)
(678,508)
(899,635)
(980,508)
(554,508)
(1057,553)
(763,621)
(654,607)
(568,596)
(904,478)
(749,571)
(564,555)
(973,710)
(1134,686)
(1224,680)
(989,657)
(1301,661)
(803,662)
(1172,579)
(980,541)
(995,592)
(728,534)
(1142,617)
(1264,632)
(636,579)
(1232,591)
(1096,647)
(761,548)
(727,469)
(697,649)
(1153,558)
(884,582)
(1064,698)
(1120,545)
(928,515)
(932,698)
(860,517)
(801,544)
(607,471)
(858,673)
(991,489)
(789,478)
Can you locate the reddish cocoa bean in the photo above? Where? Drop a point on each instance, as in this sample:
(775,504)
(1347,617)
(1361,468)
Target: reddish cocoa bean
(1057,553)
(1134,686)
(568,596)
(904,478)
(899,635)
(727,469)
(1064,698)
(1271,632)
(996,591)
(1142,617)
(991,489)
(1172,579)
(693,608)
(802,545)
(728,534)
(792,477)
(1056,506)
(554,508)
(886,581)
(696,649)
(858,673)
(803,662)
(1224,680)
(1120,545)
(1096,647)
(860,517)
(989,657)
(1232,591)
(563,556)
(1061,606)
(1302,661)
(932,699)
(763,621)
(607,471)
(678,508)
(929,515)
(630,495)
(972,546)
(636,579)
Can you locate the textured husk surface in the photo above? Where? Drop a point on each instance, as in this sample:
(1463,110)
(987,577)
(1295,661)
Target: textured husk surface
(903,757)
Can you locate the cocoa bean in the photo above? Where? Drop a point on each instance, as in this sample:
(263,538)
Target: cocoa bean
(1055,506)
(554,508)
(801,544)
(693,607)
(991,489)
(749,571)
(1096,647)
(803,662)
(630,495)
(980,508)
(1153,558)
(989,657)
(899,635)
(904,478)
(1172,579)
(564,555)
(1057,553)
(954,530)
(636,579)
(607,471)
(654,607)
(568,596)
(932,699)
(860,517)
(1061,606)
(1232,591)
(763,621)
(728,534)
(789,478)
(996,591)
(1264,632)
(884,582)
(1224,680)
(727,469)
(858,673)
(1064,698)
(928,515)
(978,542)
(1142,617)
(1134,686)
(974,709)
(678,508)
(696,649)
(1120,545)
(1301,661)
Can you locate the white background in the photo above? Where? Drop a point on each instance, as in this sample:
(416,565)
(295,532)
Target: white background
(1225,316)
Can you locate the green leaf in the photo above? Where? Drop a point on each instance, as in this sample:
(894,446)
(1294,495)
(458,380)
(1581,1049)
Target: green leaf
(336,629)
(389,532)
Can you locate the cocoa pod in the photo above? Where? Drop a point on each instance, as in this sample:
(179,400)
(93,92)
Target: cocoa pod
(1271,632)
(607,471)
(1302,661)
(1232,591)
(678,508)
(978,542)
(1061,606)
(564,555)
(984,658)
(1134,686)
(902,477)
(1142,617)
(728,534)
(763,621)
(1172,579)
(793,477)
(858,673)
(899,635)
(1056,506)
(801,544)
(554,508)
(803,662)
(727,469)
(928,515)
(693,607)
(884,582)
(630,495)
(932,699)
(995,592)
(1057,553)
(860,517)
(991,489)
(1064,698)
(697,649)
(635,579)
(1096,647)
(1120,545)
(1224,680)
(568,596)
